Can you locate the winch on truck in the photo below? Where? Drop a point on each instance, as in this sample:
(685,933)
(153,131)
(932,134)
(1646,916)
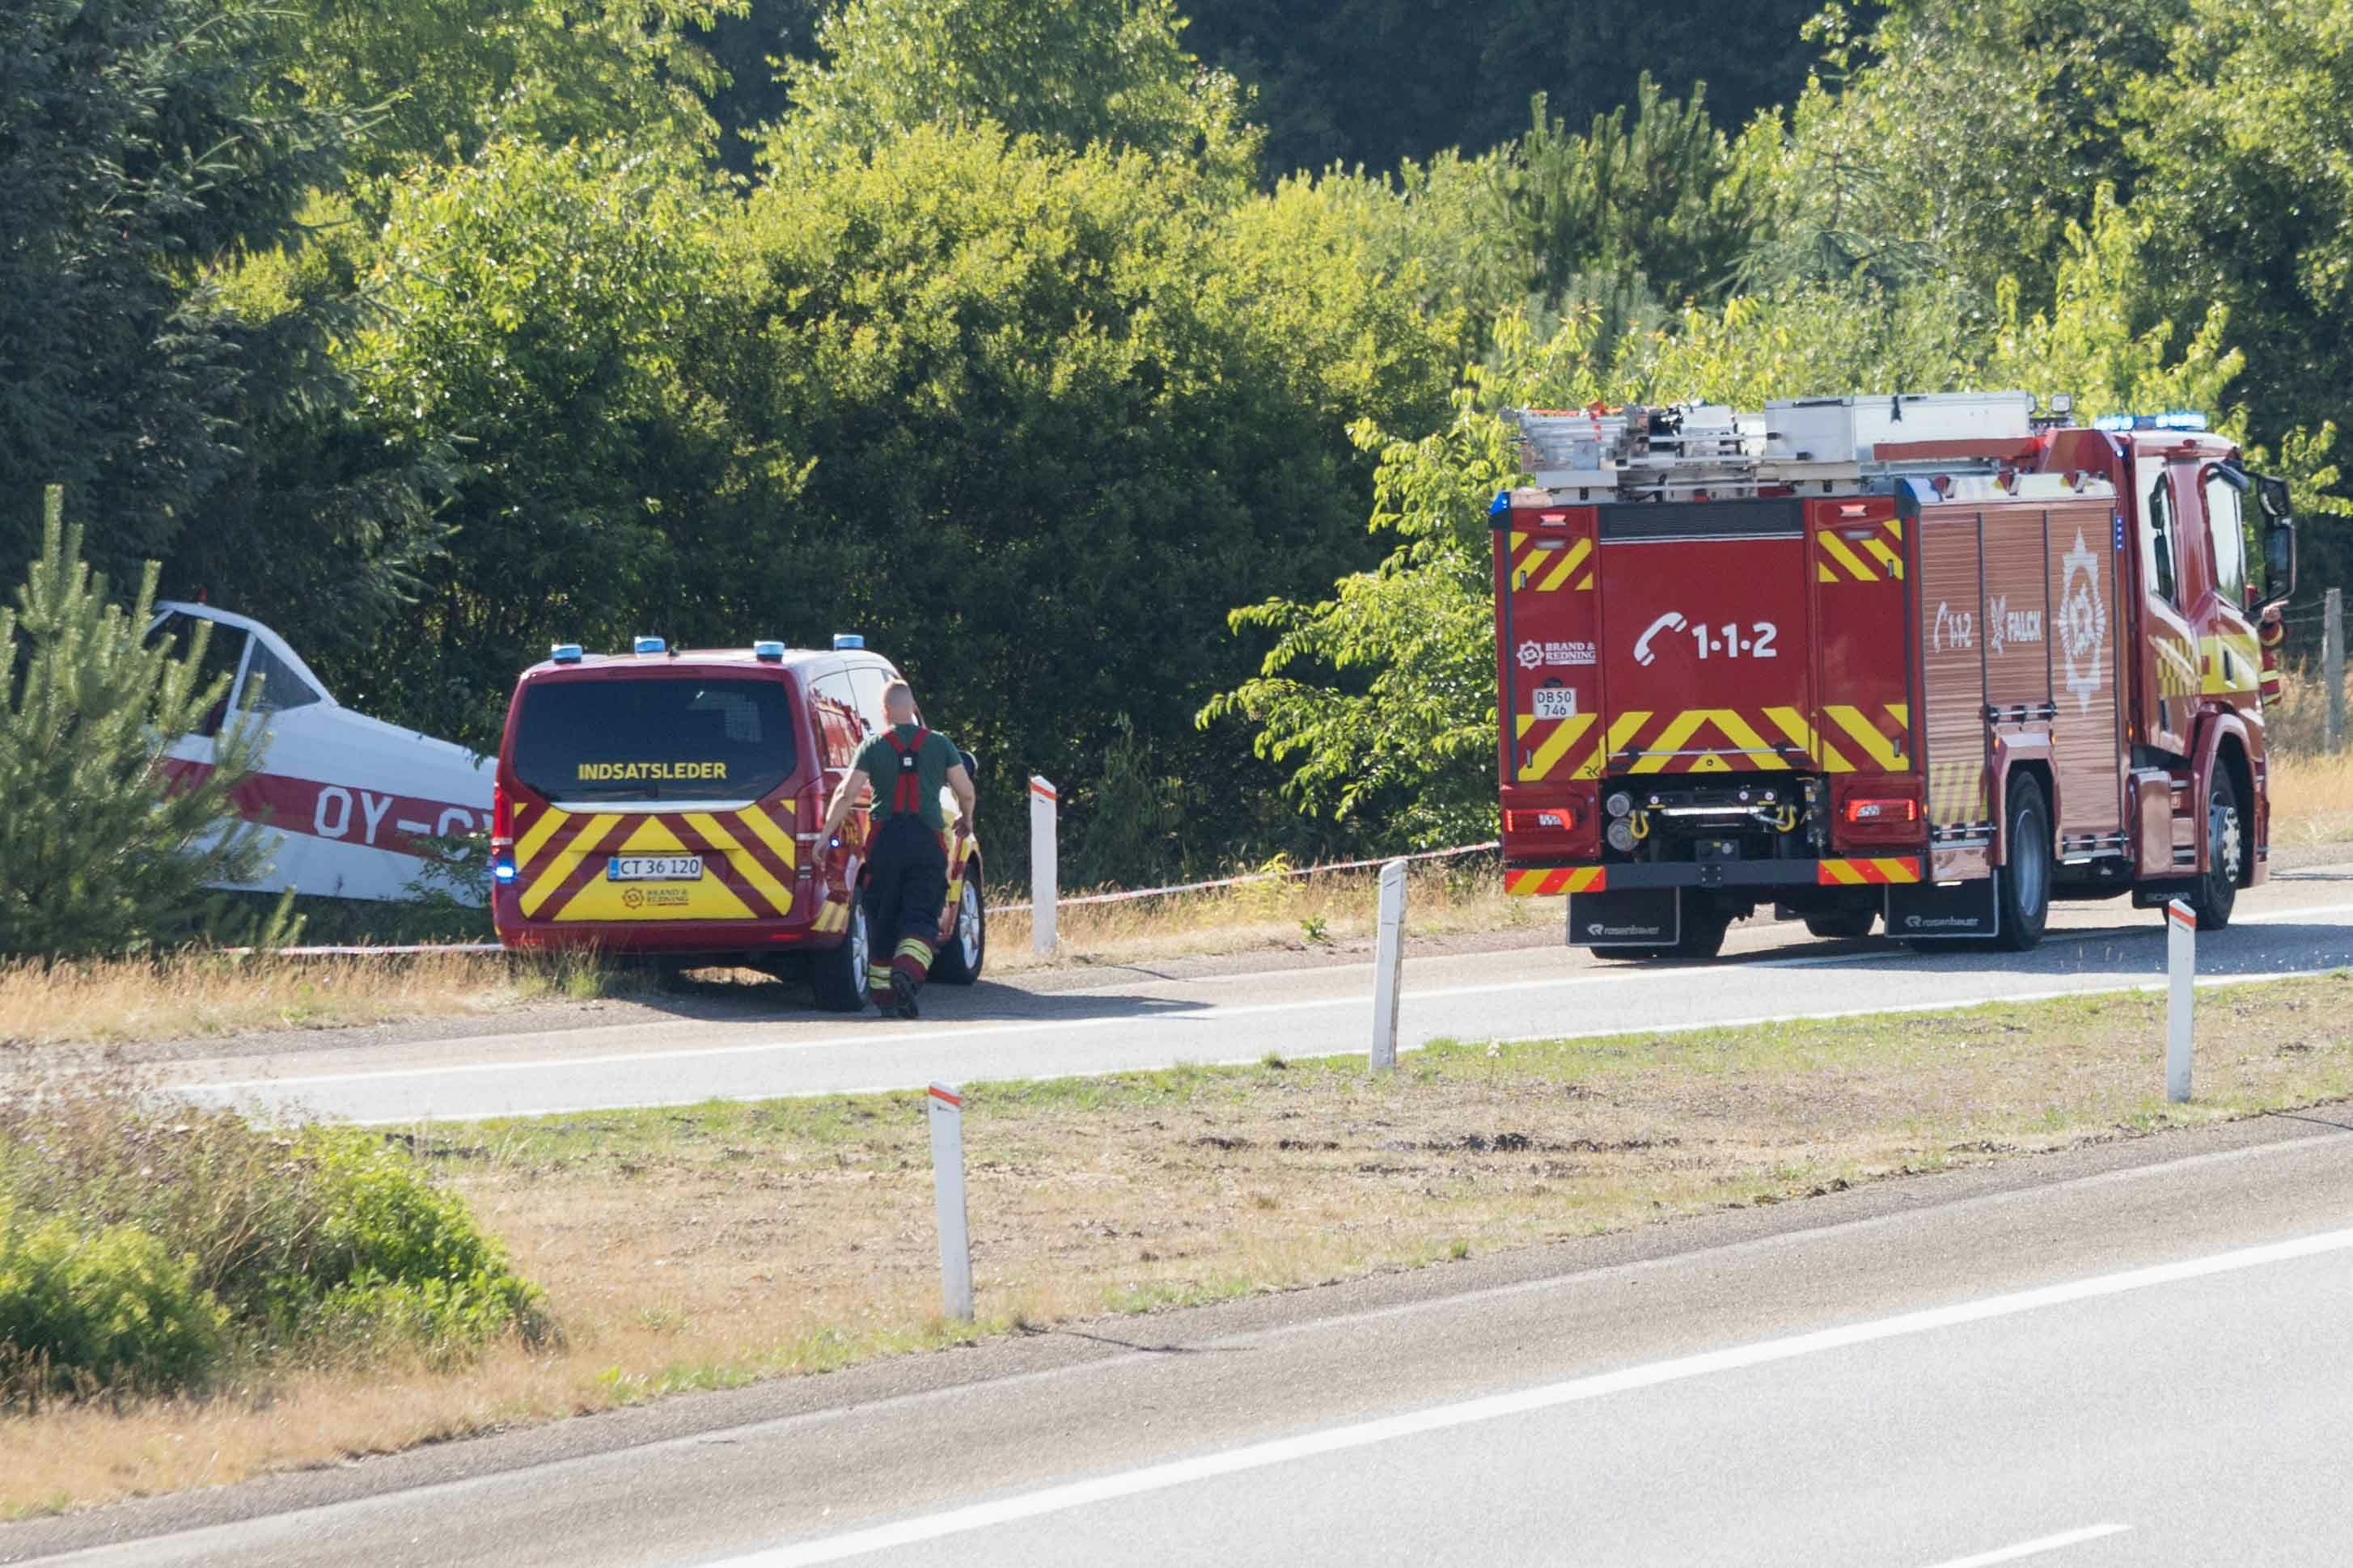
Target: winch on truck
(1935,660)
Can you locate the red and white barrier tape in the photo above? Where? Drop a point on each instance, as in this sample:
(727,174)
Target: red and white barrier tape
(1126,894)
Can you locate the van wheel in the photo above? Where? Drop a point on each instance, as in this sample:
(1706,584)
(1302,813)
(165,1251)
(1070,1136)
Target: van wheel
(839,977)
(2026,879)
(2217,892)
(968,945)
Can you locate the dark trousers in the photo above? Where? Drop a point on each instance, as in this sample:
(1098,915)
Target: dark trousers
(906,883)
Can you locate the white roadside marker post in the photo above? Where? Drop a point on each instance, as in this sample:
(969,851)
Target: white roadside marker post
(1388,966)
(2181,957)
(1042,801)
(947,1198)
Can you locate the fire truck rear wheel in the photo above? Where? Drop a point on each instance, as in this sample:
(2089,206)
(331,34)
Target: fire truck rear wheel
(1842,923)
(2026,879)
(2217,892)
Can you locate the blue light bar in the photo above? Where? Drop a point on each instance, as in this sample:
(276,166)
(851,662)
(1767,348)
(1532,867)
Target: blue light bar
(503,870)
(564,652)
(2177,419)
(848,639)
(649,645)
(768,651)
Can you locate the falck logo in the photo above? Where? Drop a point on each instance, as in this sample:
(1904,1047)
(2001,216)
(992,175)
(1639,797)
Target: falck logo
(2083,622)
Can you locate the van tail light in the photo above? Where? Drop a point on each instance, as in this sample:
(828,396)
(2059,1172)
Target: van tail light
(1875,812)
(1546,819)
(503,860)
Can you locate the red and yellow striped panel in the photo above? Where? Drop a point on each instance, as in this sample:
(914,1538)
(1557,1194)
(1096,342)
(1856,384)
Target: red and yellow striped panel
(1752,739)
(749,859)
(1560,561)
(1878,557)
(1553,881)
(1867,872)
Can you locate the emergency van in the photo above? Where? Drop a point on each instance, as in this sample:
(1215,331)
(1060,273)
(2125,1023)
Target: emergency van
(666,804)
(1930,661)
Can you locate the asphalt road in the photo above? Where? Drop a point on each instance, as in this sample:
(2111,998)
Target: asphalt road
(2301,922)
(2148,1340)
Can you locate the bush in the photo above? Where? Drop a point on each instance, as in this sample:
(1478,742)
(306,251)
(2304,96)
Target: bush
(117,1310)
(326,1243)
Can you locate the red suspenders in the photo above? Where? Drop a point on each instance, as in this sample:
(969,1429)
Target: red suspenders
(907,790)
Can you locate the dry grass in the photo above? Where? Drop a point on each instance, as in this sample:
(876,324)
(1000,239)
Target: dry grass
(2312,799)
(1295,912)
(697,1249)
(188,995)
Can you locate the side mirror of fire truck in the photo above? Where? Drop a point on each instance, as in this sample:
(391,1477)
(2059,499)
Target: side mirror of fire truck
(2279,539)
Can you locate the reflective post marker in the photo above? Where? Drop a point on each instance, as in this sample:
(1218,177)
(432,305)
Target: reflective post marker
(947,1197)
(2181,955)
(1388,966)
(1041,864)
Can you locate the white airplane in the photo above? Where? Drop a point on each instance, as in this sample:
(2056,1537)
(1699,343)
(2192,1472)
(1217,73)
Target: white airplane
(342,798)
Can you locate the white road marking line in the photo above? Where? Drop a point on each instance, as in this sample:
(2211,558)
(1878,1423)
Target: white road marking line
(2038,1546)
(1444,1418)
(1196,1015)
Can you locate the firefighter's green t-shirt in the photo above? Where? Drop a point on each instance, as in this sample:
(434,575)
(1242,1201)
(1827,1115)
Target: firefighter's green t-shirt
(880,762)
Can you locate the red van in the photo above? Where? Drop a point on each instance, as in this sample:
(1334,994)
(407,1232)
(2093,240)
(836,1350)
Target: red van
(666,804)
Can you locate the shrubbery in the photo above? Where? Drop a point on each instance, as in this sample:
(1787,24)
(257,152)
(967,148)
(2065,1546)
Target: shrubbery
(146,1248)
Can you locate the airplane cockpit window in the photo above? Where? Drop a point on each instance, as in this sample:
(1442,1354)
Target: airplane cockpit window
(223,651)
(271,686)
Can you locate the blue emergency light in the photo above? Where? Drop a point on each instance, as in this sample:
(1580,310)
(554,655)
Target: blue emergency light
(563,653)
(2179,420)
(848,639)
(649,645)
(503,870)
(768,651)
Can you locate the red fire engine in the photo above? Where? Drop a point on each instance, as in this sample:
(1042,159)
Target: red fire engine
(1934,659)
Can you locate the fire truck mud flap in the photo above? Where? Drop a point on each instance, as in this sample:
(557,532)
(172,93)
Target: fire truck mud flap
(1945,911)
(1638,917)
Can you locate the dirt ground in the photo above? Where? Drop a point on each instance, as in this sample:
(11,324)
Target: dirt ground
(696,1249)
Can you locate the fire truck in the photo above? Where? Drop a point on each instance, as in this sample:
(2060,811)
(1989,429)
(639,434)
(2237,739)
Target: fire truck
(1932,660)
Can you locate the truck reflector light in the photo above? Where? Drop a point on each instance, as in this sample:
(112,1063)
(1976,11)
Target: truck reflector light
(1883,811)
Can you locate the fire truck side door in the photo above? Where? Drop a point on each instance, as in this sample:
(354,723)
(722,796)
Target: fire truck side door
(2167,658)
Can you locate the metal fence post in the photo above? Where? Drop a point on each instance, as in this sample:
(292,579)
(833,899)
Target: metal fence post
(2332,665)
(947,1198)
(1388,966)
(2181,961)
(1043,874)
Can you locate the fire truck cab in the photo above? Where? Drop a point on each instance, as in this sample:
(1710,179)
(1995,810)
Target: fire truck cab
(1934,660)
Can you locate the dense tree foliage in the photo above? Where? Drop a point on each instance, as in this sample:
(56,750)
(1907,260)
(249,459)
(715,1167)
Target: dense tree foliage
(1033,337)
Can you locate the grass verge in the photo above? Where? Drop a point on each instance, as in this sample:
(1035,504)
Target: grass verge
(708,1247)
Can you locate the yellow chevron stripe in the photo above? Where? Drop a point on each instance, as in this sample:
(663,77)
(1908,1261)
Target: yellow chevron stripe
(1841,871)
(1729,720)
(1571,559)
(560,867)
(1554,747)
(1822,573)
(1888,558)
(1866,735)
(747,864)
(1679,729)
(1792,723)
(1836,548)
(536,836)
(1584,584)
(1623,729)
(652,838)
(764,828)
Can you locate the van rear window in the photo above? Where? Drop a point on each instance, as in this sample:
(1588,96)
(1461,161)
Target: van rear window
(663,739)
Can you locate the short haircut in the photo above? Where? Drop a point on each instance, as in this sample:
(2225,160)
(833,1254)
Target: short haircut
(897,692)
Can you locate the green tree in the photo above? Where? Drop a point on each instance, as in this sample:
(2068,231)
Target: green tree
(1070,72)
(105,845)
(436,79)
(1065,414)
(550,311)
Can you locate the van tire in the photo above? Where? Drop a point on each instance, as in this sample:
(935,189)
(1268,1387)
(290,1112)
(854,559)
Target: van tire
(960,959)
(2025,894)
(838,975)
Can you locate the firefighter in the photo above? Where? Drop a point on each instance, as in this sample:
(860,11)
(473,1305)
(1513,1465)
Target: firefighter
(907,852)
